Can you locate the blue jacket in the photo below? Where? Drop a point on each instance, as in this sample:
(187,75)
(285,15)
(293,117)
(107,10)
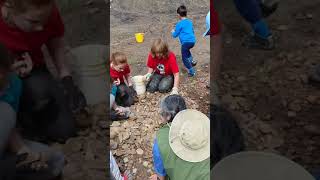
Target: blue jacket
(184,29)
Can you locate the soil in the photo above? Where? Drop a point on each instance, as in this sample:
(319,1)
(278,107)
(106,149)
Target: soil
(268,91)
(132,140)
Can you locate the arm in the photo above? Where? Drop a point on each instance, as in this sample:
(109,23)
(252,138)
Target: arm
(15,142)
(129,80)
(158,164)
(175,33)
(150,70)
(176,80)
(56,48)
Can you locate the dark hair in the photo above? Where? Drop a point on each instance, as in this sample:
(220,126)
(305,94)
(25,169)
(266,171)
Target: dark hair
(182,11)
(171,105)
(5,58)
(226,136)
(21,5)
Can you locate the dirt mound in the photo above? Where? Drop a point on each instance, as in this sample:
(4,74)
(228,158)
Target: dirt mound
(165,6)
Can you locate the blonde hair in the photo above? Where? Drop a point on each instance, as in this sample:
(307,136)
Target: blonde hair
(118,58)
(161,47)
(22,5)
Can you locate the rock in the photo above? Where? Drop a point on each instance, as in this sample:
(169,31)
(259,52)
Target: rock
(312,129)
(265,128)
(139,151)
(125,160)
(103,124)
(114,132)
(113,145)
(292,114)
(312,99)
(88,3)
(94,11)
(134,171)
(295,106)
(241,78)
(145,163)
(309,16)
(116,124)
(282,28)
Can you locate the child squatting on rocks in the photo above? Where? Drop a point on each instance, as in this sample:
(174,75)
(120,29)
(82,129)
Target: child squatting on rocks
(20,158)
(121,77)
(184,30)
(163,70)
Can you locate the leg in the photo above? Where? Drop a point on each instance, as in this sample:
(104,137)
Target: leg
(8,121)
(129,99)
(55,163)
(121,95)
(43,107)
(185,53)
(166,84)
(153,84)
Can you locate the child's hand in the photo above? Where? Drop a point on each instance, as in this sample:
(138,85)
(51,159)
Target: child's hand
(23,67)
(117,82)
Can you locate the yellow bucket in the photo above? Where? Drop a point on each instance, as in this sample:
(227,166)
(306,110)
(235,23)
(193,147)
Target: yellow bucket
(139,37)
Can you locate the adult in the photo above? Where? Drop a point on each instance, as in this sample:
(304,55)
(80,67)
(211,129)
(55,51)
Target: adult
(181,149)
(46,107)
(254,12)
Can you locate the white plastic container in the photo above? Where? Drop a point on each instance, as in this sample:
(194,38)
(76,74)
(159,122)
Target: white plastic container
(138,84)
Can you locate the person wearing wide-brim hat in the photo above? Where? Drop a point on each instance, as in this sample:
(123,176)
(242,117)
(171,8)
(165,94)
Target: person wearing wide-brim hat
(258,166)
(182,146)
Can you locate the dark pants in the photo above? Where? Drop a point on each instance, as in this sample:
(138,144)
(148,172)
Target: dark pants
(186,54)
(160,83)
(124,96)
(43,109)
(250,10)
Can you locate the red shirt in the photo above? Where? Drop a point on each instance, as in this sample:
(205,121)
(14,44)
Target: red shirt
(214,18)
(164,66)
(18,41)
(116,74)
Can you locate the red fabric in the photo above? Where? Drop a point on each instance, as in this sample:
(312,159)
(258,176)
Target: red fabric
(164,66)
(116,74)
(18,41)
(214,18)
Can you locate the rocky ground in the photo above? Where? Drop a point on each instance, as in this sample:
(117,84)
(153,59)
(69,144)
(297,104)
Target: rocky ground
(268,92)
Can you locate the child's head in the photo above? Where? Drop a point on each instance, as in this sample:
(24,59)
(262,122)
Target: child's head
(182,11)
(159,49)
(119,60)
(5,64)
(170,106)
(29,15)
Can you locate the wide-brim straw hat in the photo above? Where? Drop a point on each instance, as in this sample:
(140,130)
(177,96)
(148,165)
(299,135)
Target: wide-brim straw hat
(253,165)
(189,135)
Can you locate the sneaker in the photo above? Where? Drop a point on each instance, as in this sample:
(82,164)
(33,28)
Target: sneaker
(256,42)
(194,62)
(268,8)
(191,72)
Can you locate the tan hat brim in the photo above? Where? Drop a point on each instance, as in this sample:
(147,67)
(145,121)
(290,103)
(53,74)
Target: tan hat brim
(178,148)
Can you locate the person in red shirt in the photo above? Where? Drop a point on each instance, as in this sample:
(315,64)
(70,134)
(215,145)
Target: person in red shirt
(46,107)
(163,70)
(121,77)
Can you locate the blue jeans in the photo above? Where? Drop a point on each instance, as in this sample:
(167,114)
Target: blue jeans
(186,54)
(249,9)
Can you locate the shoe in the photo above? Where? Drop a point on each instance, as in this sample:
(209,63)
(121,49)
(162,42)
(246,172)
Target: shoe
(268,8)
(191,72)
(194,62)
(256,42)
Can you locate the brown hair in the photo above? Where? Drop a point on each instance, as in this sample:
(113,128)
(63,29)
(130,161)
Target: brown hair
(118,58)
(22,5)
(160,46)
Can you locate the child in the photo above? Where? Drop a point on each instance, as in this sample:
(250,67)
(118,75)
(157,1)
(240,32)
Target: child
(25,27)
(35,160)
(163,70)
(117,112)
(121,77)
(184,30)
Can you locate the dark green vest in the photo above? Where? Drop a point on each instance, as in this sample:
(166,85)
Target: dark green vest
(176,168)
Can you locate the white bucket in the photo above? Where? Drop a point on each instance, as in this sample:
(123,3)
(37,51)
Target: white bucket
(90,72)
(138,84)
